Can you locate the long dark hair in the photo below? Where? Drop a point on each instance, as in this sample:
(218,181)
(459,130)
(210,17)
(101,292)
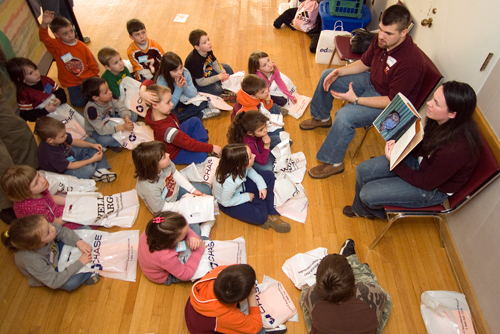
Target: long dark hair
(461,99)
(16,67)
(249,121)
(233,162)
(146,157)
(169,62)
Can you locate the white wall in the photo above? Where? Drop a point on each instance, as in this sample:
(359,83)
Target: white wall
(462,34)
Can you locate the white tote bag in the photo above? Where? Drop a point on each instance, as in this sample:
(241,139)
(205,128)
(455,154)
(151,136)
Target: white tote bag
(66,183)
(275,305)
(446,312)
(326,45)
(290,198)
(129,96)
(294,165)
(234,82)
(73,121)
(95,209)
(301,268)
(202,172)
(274,90)
(114,255)
(131,139)
(219,253)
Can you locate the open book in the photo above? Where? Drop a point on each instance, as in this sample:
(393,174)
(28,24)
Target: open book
(400,122)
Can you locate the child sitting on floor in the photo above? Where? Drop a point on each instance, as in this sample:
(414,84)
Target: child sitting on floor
(160,185)
(37,245)
(34,89)
(213,304)
(157,254)
(143,53)
(207,72)
(99,113)
(250,128)
(186,142)
(243,193)
(260,64)
(115,69)
(74,59)
(60,153)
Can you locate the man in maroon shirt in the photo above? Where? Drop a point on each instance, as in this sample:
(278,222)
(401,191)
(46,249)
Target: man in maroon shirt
(396,65)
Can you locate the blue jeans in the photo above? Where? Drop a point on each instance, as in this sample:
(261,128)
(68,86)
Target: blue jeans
(347,118)
(105,140)
(194,129)
(377,186)
(256,211)
(216,87)
(203,188)
(84,153)
(133,116)
(188,110)
(76,97)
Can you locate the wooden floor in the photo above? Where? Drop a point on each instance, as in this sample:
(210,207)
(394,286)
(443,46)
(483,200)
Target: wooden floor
(407,262)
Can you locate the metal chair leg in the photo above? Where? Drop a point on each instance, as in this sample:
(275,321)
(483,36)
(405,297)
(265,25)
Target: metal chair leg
(331,59)
(386,228)
(367,129)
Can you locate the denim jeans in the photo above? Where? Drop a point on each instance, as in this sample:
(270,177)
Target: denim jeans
(377,186)
(216,87)
(188,110)
(347,118)
(194,129)
(105,140)
(84,153)
(76,97)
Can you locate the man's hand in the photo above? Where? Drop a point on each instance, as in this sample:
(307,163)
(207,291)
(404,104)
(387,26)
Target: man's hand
(330,79)
(348,96)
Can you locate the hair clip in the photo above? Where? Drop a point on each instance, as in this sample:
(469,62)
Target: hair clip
(158,220)
(6,234)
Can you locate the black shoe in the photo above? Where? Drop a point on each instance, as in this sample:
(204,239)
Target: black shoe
(347,248)
(7,215)
(347,211)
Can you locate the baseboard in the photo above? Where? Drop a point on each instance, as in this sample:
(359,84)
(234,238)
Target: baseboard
(457,265)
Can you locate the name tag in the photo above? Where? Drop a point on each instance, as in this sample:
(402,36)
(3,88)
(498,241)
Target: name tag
(48,88)
(391,61)
(143,59)
(71,159)
(67,57)
(181,246)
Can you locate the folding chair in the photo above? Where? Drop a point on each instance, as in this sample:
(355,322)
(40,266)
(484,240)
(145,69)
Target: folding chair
(432,80)
(486,172)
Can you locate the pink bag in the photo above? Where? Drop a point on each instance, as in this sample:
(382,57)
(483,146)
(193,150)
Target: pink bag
(275,305)
(306,16)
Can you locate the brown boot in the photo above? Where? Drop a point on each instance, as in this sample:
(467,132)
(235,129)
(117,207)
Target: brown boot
(325,170)
(312,123)
(277,224)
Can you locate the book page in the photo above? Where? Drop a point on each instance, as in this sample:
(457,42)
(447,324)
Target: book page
(406,144)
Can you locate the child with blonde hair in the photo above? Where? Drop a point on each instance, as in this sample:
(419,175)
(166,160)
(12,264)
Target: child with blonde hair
(243,193)
(160,185)
(157,254)
(260,64)
(37,245)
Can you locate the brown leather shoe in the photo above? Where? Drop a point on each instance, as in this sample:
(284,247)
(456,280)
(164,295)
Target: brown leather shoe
(277,224)
(312,123)
(325,170)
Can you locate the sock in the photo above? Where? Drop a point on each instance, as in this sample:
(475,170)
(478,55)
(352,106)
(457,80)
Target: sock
(206,228)
(337,164)
(326,120)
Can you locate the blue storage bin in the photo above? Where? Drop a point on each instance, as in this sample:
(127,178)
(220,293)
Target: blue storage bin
(328,21)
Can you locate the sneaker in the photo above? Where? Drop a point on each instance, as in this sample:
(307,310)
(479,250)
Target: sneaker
(283,111)
(347,248)
(116,149)
(278,330)
(277,224)
(104,175)
(206,228)
(228,96)
(93,279)
(210,112)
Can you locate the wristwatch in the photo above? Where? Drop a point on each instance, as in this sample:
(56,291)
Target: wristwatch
(356,101)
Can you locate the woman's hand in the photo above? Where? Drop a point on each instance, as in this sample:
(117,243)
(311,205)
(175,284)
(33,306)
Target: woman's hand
(389,146)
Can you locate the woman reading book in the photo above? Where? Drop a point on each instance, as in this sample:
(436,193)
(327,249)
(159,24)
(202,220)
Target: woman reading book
(438,167)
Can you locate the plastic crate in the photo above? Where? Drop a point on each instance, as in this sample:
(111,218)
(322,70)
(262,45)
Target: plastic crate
(346,8)
(349,23)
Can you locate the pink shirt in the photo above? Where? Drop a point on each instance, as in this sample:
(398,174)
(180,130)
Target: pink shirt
(158,265)
(276,77)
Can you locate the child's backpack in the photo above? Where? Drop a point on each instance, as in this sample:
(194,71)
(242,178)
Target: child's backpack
(306,15)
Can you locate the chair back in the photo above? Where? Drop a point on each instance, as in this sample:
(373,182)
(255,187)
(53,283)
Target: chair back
(432,79)
(486,171)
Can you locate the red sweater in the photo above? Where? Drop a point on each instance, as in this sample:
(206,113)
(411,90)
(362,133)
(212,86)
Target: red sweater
(82,65)
(205,310)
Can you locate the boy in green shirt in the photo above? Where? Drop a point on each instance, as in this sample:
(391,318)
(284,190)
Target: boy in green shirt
(115,69)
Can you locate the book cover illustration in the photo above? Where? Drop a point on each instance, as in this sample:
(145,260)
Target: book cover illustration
(396,119)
